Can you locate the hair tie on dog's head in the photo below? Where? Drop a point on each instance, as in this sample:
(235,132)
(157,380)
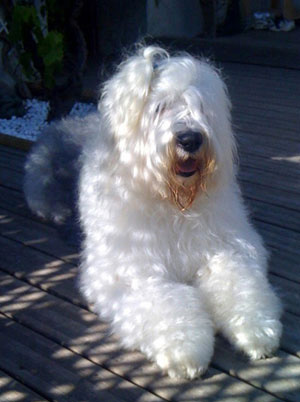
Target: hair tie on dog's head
(155,65)
(155,55)
(159,59)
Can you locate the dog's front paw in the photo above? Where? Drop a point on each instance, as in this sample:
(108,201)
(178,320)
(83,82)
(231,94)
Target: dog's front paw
(185,361)
(260,342)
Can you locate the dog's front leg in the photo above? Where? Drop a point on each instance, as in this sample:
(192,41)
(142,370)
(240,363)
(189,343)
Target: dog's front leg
(243,304)
(165,320)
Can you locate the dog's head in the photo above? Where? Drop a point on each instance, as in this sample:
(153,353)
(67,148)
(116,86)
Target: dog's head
(170,117)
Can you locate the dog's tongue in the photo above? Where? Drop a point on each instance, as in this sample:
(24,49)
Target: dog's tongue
(188,166)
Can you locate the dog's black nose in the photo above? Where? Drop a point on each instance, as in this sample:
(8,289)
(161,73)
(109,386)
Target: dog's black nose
(189,141)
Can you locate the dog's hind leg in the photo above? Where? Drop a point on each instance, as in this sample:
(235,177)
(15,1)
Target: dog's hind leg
(51,174)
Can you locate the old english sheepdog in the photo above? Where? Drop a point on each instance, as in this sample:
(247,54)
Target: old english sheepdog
(169,256)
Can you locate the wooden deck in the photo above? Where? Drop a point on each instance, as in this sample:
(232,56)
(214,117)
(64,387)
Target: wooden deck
(54,348)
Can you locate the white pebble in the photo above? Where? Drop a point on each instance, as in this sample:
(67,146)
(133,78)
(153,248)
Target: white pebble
(31,124)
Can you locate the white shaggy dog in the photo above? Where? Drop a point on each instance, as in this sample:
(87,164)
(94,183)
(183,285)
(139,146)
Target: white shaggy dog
(169,256)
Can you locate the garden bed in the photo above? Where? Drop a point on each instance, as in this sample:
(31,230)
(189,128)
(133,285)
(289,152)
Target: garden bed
(29,126)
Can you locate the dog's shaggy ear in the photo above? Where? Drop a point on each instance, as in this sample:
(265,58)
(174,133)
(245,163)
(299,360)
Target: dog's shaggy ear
(124,95)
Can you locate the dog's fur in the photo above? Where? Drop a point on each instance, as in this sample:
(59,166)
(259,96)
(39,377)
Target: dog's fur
(169,256)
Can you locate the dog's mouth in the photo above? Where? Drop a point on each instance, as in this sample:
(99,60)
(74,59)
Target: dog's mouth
(186,168)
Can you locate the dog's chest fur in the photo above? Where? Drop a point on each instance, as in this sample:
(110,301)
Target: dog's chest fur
(171,240)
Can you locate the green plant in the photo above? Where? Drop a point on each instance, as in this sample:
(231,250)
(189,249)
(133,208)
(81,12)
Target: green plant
(41,51)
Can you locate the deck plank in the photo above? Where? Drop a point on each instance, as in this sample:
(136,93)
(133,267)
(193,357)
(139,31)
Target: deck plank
(59,373)
(11,390)
(48,272)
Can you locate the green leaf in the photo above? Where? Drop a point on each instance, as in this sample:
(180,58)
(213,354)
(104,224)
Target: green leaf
(51,48)
(26,33)
(24,18)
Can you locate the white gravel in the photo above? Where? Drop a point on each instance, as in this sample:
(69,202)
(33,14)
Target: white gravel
(30,125)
